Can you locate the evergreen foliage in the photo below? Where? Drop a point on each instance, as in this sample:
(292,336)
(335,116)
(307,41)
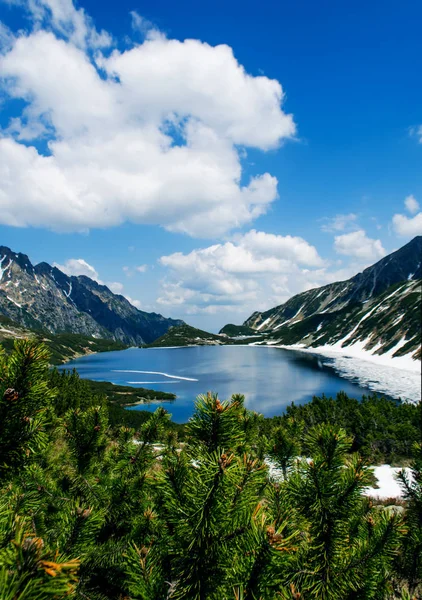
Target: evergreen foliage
(383,429)
(93,510)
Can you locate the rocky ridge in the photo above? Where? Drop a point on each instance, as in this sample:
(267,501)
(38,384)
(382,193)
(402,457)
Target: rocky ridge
(380,309)
(42,297)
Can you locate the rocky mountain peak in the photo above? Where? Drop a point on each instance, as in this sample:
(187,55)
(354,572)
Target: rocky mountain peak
(43,297)
(379,308)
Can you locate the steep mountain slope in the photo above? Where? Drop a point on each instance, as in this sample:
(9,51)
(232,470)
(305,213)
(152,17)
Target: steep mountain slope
(62,346)
(43,297)
(389,322)
(404,264)
(378,310)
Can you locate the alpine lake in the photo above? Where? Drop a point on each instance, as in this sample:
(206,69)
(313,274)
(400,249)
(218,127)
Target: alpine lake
(270,378)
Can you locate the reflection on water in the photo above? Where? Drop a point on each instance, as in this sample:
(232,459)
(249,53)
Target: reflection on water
(270,378)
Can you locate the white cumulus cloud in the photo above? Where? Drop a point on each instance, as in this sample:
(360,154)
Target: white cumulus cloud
(69,21)
(254,271)
(409,226)
(359,245)
(153,134)
(411,204)
(78,266)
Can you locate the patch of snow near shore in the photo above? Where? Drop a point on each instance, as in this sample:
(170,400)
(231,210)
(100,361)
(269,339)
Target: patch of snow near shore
(385,475)
(388,486)
(392,381)
(357,350)
(398,377)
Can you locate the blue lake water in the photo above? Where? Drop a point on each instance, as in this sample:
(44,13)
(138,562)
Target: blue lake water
(270,378)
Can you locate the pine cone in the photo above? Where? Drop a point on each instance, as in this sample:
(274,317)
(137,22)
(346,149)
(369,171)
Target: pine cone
(10,395)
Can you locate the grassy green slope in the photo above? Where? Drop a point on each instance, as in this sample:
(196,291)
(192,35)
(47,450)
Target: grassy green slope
(63,346)
(124,395)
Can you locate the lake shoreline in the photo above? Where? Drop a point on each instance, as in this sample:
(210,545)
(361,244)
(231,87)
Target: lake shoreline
(381,374)
(354,366)
(270,380)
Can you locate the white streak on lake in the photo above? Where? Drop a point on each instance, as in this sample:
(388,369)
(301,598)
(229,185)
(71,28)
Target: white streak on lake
(149,382)
(153,373)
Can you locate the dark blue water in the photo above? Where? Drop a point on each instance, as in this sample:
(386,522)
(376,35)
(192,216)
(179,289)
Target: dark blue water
(270,378)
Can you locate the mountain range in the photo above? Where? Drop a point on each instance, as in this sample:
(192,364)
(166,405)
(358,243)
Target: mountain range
(379,310)
(42,297)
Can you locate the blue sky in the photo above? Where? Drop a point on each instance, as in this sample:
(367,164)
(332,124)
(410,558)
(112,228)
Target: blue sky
(210,159)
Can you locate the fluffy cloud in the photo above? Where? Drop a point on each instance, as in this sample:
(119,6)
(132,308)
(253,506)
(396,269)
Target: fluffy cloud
(339,223)
(411,204)
(136,303)
(149,135)
(359,245)
(67,20)
(256,270)
(281,248)
(116,287)
(78,266)
(143,26)
(409,226)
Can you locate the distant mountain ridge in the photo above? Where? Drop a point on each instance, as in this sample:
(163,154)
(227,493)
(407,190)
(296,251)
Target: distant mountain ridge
(379,308)
(43,297)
